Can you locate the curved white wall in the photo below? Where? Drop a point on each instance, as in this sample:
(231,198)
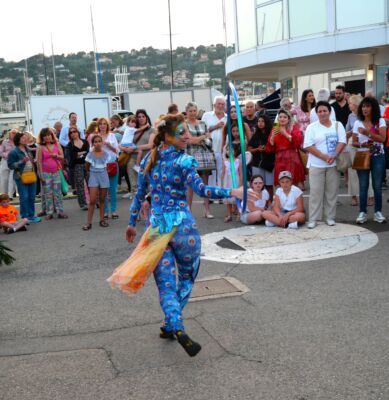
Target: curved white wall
(281,33)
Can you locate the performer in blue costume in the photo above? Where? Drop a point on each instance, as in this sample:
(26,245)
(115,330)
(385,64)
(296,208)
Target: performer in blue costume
(166,172)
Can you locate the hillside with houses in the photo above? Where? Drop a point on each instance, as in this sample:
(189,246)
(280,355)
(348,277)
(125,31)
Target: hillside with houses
(148,69)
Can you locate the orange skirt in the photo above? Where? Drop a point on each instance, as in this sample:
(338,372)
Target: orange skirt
(132,274)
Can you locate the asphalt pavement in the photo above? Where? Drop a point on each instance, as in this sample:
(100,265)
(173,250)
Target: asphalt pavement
(315,330)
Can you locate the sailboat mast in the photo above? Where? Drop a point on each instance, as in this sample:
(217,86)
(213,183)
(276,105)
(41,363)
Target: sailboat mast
(52,59)
(94,49)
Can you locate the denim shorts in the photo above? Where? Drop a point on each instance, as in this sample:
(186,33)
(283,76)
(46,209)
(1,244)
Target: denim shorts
(98,179)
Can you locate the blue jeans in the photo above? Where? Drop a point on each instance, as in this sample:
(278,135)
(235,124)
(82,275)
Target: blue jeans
(377,169)
(113,187)
(27,199)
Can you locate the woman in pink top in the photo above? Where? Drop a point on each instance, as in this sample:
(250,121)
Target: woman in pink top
(49,158)
(303,111)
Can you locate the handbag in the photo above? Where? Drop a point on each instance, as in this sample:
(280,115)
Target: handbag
(112,168)
(362,160)
(123,159)
(343,162)
(28,177)
(205,158)
(64,184)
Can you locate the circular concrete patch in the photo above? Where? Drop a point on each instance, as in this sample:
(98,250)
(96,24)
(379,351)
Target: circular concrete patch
(261,245)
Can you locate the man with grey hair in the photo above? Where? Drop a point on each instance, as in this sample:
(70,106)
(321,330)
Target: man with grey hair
(322,95)
(250,118)
(215,121)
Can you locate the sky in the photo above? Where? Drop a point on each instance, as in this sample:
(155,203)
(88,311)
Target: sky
(119,25)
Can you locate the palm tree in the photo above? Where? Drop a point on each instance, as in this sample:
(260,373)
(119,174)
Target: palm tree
(5,257)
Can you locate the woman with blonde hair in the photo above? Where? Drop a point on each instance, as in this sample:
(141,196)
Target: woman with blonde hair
(49,162)
(200,147)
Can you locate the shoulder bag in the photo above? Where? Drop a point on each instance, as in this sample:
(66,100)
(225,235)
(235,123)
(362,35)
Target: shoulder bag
(343,160)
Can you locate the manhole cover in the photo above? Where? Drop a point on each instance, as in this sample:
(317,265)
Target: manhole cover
(217,287)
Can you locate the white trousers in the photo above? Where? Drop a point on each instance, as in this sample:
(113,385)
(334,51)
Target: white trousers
(324,186)
(7,183)
(215,177)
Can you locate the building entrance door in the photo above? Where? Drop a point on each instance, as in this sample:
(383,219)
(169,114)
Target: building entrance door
(355,87)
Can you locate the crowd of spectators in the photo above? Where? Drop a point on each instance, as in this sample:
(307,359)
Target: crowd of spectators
(302,146)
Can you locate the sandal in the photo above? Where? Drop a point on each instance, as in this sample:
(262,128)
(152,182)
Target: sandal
(115,216)
(87,227)
(42,214)
(228,218)
(62,216)
(105,216)
(103,223)
(49,216)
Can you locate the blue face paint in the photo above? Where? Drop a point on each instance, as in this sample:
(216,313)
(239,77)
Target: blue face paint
(180,130)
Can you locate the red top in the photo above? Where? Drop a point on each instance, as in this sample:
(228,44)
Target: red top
(282,143)
(386,116)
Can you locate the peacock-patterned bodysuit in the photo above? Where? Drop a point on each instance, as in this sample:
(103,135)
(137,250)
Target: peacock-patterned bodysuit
(167,183)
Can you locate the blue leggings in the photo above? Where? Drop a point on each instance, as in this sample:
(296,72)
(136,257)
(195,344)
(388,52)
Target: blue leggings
(182,255)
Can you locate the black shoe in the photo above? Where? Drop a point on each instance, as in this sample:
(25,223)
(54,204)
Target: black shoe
(164,334)
(23,228)
(191,347)
(10,231)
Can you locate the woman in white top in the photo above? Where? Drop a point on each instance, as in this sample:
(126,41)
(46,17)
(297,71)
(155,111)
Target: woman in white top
(369,133)
(324,140)
(255,209)
(288,206)
(111,146)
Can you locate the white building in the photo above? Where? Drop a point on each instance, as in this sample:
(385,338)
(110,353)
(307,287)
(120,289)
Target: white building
(312,44)
(201,79)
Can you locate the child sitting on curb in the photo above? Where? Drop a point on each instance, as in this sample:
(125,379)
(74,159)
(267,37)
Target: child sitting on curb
(8,216)
(288,206)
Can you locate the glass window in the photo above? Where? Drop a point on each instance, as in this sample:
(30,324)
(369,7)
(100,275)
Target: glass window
(351,13)
(246,24)
(307,17)
(382,81)
(270,23)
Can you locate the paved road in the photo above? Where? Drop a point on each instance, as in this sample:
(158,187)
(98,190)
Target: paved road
(304,331)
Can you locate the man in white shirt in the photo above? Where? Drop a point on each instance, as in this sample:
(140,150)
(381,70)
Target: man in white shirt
(322,95)
(215,121)
(64,134)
